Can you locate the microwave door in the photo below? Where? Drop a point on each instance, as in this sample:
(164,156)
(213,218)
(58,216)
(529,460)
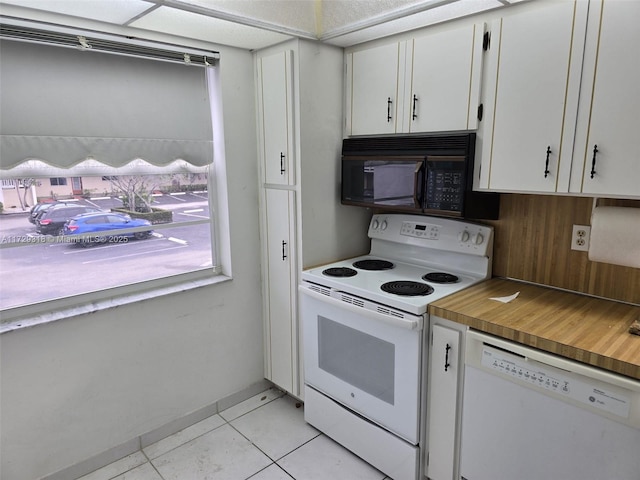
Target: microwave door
(394,183)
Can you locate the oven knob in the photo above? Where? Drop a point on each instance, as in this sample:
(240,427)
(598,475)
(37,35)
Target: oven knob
(463,236)
(375,224)
(477,238)
(383,226)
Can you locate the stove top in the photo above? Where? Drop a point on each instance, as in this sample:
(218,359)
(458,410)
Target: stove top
(414,260)
(368,283)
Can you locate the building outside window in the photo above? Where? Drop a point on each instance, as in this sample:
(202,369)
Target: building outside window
(57,181)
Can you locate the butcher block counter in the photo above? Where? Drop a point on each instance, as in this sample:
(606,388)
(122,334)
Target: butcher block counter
(578,327)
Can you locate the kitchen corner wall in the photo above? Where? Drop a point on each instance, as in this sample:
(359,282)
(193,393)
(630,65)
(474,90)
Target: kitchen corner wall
(532,243)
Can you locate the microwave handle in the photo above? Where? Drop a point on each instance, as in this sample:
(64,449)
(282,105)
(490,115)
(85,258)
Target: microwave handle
(418,183)
(409,324)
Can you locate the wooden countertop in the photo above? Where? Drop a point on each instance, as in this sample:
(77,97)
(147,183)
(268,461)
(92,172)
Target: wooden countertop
(579,327)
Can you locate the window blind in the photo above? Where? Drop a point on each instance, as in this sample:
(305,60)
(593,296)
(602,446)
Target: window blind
(78,108)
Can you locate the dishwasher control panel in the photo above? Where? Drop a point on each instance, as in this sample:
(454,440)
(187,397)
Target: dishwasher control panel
(590,392)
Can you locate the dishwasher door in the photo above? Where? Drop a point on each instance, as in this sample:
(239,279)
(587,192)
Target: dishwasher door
(529,415)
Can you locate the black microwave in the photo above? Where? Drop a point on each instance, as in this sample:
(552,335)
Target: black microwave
(425,174)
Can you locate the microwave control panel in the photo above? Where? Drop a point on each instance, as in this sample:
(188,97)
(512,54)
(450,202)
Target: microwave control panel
(446,183)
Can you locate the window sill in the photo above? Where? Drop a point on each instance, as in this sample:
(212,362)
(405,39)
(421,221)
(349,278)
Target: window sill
(90,306)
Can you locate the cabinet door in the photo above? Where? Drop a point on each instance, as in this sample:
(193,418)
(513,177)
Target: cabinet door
(276,122)
(444,373)
(614,112)
(528,97)
(441,81)
(374,90)
(280,329)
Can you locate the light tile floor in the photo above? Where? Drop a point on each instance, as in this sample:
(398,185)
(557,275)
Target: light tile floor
(262,438)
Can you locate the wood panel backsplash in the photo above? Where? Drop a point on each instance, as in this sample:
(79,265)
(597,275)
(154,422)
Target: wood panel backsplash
(533,239)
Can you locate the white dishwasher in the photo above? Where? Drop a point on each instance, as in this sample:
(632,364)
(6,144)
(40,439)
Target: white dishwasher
(530,415)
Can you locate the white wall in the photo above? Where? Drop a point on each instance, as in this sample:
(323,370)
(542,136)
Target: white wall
(77,387)
(330,231)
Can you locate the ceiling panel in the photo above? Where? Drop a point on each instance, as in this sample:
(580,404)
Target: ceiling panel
(200,27)
(297,15)
(110,11)
(425,18)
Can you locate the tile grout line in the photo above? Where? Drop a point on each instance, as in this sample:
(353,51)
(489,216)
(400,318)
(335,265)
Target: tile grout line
(226,422)
(152,465)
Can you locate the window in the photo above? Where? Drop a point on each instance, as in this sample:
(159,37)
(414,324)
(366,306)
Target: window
(120,202)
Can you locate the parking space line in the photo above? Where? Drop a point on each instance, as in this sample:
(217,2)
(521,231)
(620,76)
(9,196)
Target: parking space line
(132,255)
(177,240)
(192,215)
(94,204)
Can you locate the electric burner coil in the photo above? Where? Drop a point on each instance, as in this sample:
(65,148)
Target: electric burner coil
(407,288)
(339,272)
(373,264)
(440,277)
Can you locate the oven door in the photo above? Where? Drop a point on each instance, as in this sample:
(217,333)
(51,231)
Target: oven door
(366,360)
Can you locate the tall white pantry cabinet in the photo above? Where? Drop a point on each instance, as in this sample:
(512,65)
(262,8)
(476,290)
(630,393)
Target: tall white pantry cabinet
(299,87)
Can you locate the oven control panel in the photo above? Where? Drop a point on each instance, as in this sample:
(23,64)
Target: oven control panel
(420,230)
(433,232)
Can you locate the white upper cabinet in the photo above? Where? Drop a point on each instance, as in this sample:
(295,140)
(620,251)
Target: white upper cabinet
(444,83)
(609,115)
(561,99)
(430,83)
(373,90)
(531,97)
(276,120)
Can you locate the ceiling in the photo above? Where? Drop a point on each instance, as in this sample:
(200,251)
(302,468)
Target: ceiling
(255,24)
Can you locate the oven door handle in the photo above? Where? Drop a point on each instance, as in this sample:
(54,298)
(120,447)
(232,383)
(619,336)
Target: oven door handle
(406,323)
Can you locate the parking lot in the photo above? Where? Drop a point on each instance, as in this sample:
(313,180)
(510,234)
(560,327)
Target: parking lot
(42,267)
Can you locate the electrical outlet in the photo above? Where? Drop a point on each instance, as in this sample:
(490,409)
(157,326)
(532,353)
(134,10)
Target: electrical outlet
(580,237)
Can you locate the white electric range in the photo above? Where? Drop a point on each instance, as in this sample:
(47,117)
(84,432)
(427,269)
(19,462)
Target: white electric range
(364,323)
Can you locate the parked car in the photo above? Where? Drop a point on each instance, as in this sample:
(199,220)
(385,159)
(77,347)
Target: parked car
(105,227)
(41,207)
(52,220)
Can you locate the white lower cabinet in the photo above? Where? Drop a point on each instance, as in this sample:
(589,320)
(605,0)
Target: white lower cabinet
(445,380)
(281,366)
